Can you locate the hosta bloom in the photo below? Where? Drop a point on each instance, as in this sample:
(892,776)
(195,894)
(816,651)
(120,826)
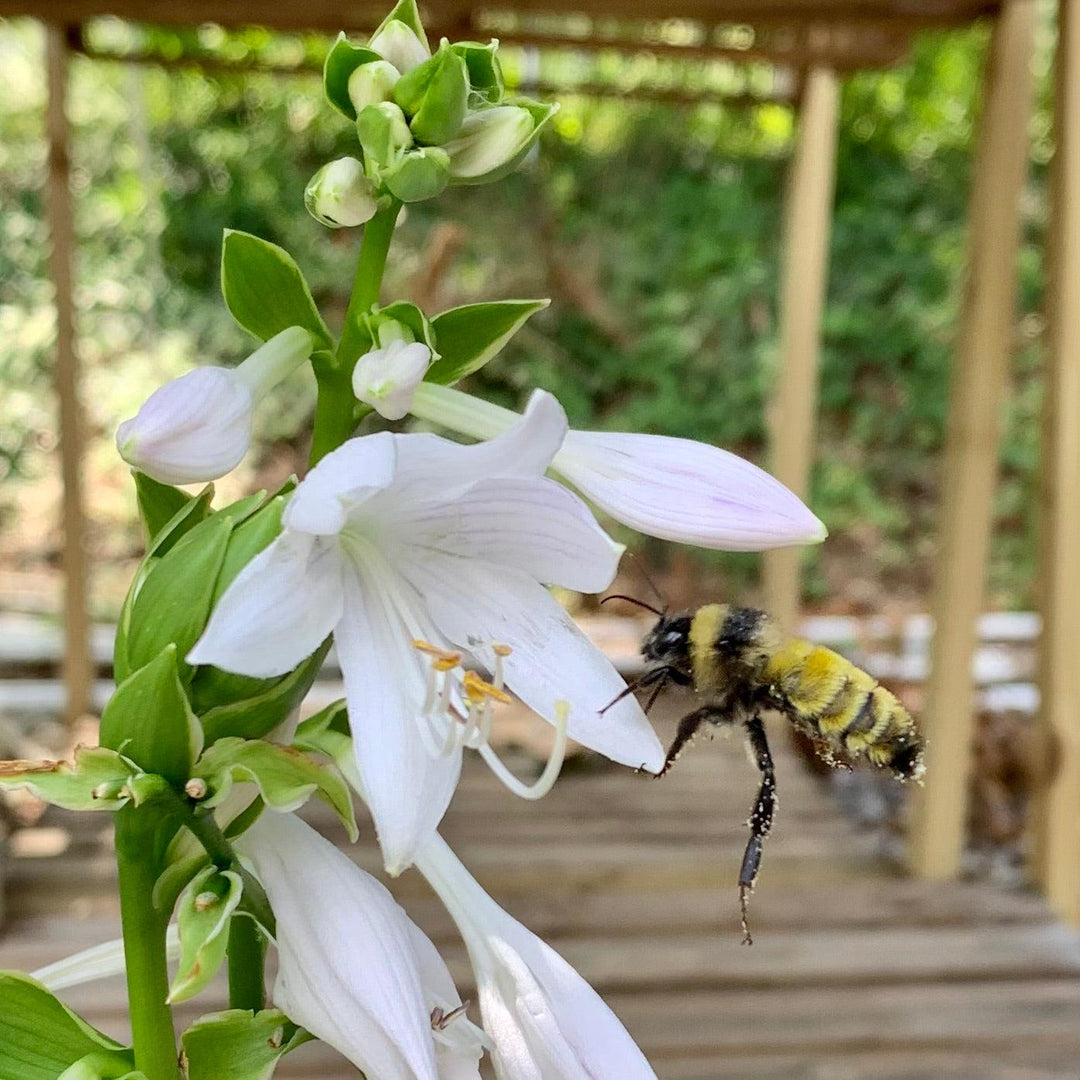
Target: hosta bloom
(400,45)
(396,539)
(544,1021)
(198,427)
(340,195)
(353,969)
(675,489)
(386,378)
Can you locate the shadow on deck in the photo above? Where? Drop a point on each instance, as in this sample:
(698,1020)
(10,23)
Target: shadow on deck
(856,972)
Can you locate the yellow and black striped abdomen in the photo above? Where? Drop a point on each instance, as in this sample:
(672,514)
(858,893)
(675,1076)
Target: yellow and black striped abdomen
(843,706)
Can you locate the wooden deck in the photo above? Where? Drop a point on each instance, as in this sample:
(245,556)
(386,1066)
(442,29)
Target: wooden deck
(856,973)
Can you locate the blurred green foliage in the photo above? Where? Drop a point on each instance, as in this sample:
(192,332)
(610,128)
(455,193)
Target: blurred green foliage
(657,230)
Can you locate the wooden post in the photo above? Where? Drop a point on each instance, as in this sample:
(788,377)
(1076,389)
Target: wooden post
(971,449)
(1057,808)
(77,667)
(802,298)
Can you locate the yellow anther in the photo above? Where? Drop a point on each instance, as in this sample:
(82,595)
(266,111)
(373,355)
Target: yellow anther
(444,659)
(477,689)
(501,650)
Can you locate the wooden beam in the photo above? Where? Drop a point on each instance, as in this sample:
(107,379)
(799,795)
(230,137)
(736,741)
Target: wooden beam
(971,449)
(1057,807)
(802,300)
(77,664)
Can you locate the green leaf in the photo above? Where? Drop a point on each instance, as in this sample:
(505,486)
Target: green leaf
(174,602)
(256,706)
(149,720)
(189,515)
(265,290)
(205,911)
(158,503)
(405,11)
(100,1066)
(41,1038)
(407,314)
(98,779)
(327,732)
(469,336)
(341,61)
(286,777)
(238,1044)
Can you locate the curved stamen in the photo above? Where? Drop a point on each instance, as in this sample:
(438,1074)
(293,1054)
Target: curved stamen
(547,778)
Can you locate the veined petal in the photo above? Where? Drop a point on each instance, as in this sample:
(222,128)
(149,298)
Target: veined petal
(190,430)
(476,606)
(347,971)
(277,612)
(342,480)
(407,784)
(428,463)
(685,491)
(531,524)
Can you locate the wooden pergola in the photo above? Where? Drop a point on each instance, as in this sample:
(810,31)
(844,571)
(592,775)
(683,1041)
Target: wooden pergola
(819,40)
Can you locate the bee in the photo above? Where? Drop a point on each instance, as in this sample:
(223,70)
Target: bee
(740,664)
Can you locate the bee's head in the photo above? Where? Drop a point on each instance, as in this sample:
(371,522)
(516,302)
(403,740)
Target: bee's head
(668,642)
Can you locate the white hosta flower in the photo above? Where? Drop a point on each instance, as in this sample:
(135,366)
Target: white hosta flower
(543,1019)
(400,45)
(353,969)
(393,539)
(340,195)
(489,139)
(386,378)
(371,83)
(198,427)
(675,489)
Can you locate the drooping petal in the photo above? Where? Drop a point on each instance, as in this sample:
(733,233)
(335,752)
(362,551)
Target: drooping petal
(530,524)
(347,970)
(430,465)
(407,783)
(277,612)
(341,481)
(386,378)
(190,430)
(544,1020)
(476,606)
(685,491)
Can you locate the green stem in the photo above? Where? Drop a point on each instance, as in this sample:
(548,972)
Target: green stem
(144,949)
(334,409)
(247,956)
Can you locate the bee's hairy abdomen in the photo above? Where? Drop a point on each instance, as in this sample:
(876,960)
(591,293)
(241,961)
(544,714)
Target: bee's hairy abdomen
(844,707)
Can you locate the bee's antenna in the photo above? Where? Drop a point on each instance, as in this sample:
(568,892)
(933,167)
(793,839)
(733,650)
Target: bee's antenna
(633,600)
(649,581)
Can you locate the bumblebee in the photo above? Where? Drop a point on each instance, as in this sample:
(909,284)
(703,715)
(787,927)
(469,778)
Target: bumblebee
(736,660)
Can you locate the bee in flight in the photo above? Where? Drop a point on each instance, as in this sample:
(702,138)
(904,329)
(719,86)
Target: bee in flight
(738,662)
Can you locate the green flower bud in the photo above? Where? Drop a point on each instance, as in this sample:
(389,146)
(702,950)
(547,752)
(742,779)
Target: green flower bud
(339,194)
(371,83)
(383,132)
(485,72)
(420,174)
(489,139)
(400,45)
(435,95)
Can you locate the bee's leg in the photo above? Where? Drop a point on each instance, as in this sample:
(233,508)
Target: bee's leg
(761,817)
(688,728)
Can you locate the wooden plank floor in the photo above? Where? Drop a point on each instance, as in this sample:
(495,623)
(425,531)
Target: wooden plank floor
(856,973)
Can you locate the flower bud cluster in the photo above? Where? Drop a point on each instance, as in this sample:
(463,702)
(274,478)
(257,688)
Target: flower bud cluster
(424,120)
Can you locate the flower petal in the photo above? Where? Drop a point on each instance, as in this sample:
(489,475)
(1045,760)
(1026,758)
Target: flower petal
(386,378)
(531,524)
(277,612)
(476,606)
(406,785)
(344,479)
(347,970)
(192,429)
(685,491)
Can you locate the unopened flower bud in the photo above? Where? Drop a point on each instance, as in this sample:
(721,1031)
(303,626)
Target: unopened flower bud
(383,132)
(435,96)
(198,427)
(420,174)
(489,139)
(196,788)
(400,45)
(206,900)
(339,194)
(387,377)
(371,83)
